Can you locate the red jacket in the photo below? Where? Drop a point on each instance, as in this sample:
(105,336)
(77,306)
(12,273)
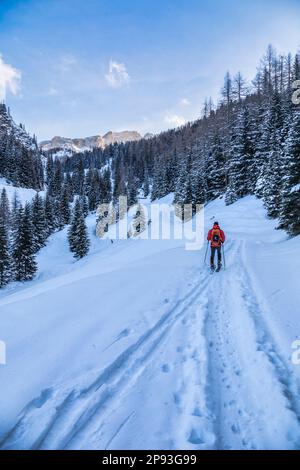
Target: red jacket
(210,236)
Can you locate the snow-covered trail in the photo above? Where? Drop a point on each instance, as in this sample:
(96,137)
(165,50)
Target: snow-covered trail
(253,394)
(208,373)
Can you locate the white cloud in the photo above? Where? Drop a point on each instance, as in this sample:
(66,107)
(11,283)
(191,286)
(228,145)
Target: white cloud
(184,102)
(117,74)
(66,63)
(9,79)
(175,120)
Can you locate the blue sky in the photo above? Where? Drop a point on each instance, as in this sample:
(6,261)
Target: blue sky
(83,67)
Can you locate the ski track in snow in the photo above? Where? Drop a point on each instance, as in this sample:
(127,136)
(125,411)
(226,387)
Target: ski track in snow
(240,368)
(217,399)
(76,410)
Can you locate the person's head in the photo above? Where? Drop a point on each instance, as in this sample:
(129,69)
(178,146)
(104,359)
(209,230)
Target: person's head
(216,224)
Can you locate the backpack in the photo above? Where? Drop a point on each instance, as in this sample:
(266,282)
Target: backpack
(215,237)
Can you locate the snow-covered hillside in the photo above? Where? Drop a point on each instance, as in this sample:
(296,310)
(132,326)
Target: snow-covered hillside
(138,346)
(24,194)
(8,126)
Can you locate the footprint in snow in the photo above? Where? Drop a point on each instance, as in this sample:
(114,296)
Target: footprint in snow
(235,429)
(124,333)
(197,412)
(177,398)
(195,437)
(42,399)
(165,368)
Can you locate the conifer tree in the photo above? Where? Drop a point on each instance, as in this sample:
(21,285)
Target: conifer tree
(290,210)
(77,235)
(64,207)
(5,207)
(215,168)
(38,222)
(106,186)
(132,193)
(5,261)
(241,170)
(85,205)
(272,179)
(49,170)
(49,214)
(24,262)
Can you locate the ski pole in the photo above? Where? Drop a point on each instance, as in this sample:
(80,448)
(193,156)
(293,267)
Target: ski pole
(224,256)
(206,252)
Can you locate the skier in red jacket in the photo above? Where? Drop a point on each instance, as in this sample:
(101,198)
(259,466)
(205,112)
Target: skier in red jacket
(216,237)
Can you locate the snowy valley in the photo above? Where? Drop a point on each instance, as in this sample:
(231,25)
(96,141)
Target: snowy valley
(132,343)
(139,328)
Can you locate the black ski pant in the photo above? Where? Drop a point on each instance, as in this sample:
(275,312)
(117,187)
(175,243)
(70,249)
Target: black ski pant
(215,249)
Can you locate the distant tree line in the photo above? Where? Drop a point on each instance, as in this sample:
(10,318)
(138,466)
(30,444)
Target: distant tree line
(20,159)
(24,230)
(247,144)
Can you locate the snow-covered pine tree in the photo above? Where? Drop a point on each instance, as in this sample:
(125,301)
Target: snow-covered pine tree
(215,167)
(119,180)
(290,209)
(241,170)
(297,67)
(230,195)
(146,185)
(77,235)
(64,207)
(5,207)
(49,170)
(93,189)
(184,189)
(68,183)
(198,183)
(5,260)
(24,262)
(88,181)
(261,136)
(159,180)
(49,214)
(272,179)
(84,204)
(106,186)
(132,192)
(38,222)
(56,181)
(78,178)
(14,215)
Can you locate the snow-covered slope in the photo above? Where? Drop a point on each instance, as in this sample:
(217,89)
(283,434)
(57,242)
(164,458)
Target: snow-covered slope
(9,127)
(24,194)
(138,346)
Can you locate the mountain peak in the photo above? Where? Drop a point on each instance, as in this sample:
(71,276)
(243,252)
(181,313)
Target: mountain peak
(64,146)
